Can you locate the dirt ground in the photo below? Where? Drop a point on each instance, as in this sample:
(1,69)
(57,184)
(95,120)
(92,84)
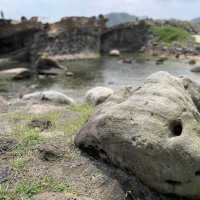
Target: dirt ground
(40,161)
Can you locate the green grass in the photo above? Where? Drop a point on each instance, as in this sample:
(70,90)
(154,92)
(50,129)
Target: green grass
(30,138)
(170,34)
(26,188)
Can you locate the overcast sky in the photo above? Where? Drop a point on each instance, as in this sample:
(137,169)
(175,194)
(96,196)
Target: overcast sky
(55,9)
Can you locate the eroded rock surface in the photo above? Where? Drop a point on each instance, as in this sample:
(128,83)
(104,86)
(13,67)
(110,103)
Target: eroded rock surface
(153,133)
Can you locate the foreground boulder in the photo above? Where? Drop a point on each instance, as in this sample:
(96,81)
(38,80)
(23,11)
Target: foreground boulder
(98,95)
(52,96)
(153,133)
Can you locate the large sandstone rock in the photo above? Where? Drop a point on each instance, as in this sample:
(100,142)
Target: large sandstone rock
(98,95)
(153,133)
(52,96)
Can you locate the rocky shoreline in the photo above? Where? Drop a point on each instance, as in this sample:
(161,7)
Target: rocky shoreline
(38,152)
(114,144)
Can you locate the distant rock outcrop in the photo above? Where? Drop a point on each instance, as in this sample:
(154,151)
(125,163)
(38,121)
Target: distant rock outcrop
(119,18)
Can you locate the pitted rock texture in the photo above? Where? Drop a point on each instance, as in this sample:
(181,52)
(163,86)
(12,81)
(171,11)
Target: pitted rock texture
(154,133)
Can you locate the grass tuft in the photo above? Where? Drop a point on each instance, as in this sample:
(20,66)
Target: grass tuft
(170,34)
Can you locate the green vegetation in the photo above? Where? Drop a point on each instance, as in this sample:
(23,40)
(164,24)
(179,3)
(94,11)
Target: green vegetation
(170,34)
(26,188)
(68,121)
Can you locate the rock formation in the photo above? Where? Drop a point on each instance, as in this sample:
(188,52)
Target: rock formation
(152,132)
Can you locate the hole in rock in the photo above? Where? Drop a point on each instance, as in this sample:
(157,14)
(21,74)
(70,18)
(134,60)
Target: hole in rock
(197,173)
(172,182)
(176,128)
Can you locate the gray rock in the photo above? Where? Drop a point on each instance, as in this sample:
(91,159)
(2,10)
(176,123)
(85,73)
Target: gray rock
(5,172)
(40,124)
(53,96)
(114,52)
(7,144)
(4,105)
(153,133)
(195,69)
(16,73)
(192,62)
(49,66)
(98,95)
(50,152)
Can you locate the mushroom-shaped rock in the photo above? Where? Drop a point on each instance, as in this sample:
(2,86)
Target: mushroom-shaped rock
(98,95)
(153,133)
(49,66)
(52,96)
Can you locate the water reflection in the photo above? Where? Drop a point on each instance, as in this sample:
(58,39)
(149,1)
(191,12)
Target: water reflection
(105,71)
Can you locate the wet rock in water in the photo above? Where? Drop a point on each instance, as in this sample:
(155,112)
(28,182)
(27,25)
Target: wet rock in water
(50,152)
(48,66)
(17,73)
(114,52)
(58,196)
(153,133)
(6,145)
(69,74)
(196,69)
(52,96)
(40,124)
(161,60)
(127,61)
(98,95)
(5,172)
(192,62)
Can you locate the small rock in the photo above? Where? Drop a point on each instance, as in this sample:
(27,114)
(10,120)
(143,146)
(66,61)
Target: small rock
(69,74)
(41,124)
(7,145)
(44,63)
(127,61)
(195,69)
(52,96)
(192,62)
(114,52)
(161,60)
(17,73)
(98,95)
(4,105)
(5,172)
(58,196)
(50,152)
